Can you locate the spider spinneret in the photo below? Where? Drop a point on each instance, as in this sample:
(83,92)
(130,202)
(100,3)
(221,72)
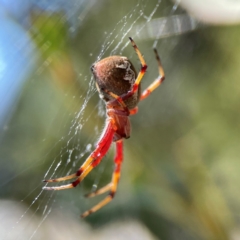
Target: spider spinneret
(119,86)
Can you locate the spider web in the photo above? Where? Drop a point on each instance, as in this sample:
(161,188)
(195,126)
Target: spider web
(71,134)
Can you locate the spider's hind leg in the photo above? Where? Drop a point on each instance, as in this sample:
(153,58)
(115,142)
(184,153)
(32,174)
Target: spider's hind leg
(92,161)
(99,191)
(112,186)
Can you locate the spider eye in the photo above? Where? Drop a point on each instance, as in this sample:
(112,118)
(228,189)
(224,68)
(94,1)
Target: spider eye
(92,67)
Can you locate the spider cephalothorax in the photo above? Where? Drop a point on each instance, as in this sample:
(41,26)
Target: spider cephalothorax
(118,85)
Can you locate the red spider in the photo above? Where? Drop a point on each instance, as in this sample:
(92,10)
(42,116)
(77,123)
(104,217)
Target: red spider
(119,87)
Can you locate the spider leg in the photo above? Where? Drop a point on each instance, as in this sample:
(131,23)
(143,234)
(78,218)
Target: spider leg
(133,111)
(157,82)
(140,74)
(92,161)
(118,99)
(143,63)
(107,187)
(112,186)
(99,191)
(78,173)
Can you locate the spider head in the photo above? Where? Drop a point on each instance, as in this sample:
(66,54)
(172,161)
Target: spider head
(117,75)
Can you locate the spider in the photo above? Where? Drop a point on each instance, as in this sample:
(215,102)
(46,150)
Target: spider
(119,86)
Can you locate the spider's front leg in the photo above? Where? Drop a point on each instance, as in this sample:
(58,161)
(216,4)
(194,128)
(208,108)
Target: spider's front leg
(139,78)
(152,86)
(158,81)
(140,74)
(92,161)
(112,186)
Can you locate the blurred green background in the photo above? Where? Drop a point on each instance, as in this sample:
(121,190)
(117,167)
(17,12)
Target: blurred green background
(180,177)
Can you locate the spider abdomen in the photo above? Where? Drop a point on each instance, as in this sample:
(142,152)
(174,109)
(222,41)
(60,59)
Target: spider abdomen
(116,74)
